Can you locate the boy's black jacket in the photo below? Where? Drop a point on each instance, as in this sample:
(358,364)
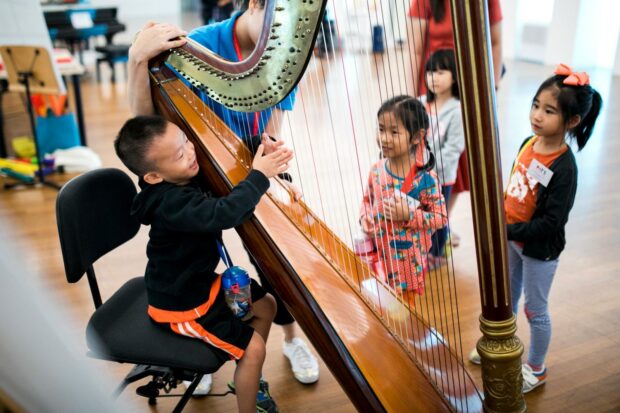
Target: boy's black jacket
(185,226)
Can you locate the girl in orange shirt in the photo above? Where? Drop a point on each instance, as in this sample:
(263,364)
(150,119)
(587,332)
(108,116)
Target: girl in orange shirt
(539,197)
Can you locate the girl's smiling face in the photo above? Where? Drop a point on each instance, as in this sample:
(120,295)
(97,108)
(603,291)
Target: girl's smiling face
(392,136)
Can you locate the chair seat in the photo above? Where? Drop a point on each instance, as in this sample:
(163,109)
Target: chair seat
(121,330)
(113,50)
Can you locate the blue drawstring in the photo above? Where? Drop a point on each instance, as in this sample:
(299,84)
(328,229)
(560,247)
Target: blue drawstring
(224,254)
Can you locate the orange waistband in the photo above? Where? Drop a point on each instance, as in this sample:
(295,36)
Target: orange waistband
(169,316)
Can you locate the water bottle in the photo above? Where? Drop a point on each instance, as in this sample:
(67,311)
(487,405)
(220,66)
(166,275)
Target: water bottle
(363,247)
(236,285)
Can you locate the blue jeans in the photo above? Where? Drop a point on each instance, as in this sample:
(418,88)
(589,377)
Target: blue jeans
(441,235)
(533,278)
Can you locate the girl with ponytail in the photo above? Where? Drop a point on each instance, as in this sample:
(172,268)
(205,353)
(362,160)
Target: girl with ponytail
(540,194)
(403,205)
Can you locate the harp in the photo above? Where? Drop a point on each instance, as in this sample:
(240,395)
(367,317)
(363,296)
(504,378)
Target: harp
(390,351)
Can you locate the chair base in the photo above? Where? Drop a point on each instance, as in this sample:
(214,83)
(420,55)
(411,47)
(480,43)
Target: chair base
(162,378)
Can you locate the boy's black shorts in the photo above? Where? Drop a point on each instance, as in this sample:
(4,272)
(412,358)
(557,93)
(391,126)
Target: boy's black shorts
(221,329)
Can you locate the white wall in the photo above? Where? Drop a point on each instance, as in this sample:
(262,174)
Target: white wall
(509,28)
(597,33)
(562,35)
(617,60)
(580,33)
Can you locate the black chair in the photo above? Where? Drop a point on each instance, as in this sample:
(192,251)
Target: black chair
(92,212)
(112,54)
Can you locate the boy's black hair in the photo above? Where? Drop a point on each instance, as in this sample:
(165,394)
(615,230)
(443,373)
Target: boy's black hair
(583,101)
(411,113)
(134,140)
(442,59)
(244,4)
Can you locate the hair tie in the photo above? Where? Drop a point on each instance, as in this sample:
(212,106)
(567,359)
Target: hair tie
(572,78)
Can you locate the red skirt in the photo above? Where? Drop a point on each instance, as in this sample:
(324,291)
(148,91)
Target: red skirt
(462,175)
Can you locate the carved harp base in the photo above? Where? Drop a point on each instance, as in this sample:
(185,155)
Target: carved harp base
(500,353)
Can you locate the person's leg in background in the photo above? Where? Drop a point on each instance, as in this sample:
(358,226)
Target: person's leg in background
(303,363)
(461,185)
(437,256)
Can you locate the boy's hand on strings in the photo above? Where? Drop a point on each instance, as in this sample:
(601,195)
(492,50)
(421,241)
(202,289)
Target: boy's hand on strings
(274,163)
(155,38)
(271,145)
(396,209)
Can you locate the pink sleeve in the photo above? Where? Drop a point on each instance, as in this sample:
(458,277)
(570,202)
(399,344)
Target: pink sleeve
(495,12)
(420,9)
(366,209)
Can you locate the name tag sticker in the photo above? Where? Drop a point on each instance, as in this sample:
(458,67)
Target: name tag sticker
(540,172)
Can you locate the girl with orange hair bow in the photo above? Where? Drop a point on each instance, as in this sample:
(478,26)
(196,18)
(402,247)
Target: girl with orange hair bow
(540,194)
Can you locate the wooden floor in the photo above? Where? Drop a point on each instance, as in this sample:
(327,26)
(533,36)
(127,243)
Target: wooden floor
(584,358)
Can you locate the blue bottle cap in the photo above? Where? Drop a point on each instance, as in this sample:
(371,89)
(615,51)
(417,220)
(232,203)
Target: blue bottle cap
(235,275)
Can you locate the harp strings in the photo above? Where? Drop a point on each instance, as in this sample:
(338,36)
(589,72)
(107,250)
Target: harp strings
(332,130)
(445,280)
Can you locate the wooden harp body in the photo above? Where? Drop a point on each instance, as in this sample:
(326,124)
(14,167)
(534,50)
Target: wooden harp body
(385,356)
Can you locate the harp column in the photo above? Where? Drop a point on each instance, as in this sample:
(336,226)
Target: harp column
(499,347)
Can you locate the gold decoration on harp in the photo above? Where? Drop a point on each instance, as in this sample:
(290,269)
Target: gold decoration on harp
(501,350)
(268,75)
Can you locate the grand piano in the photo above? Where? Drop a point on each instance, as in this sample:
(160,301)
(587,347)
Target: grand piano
(62,27)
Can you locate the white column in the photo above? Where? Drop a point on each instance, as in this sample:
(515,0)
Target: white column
(562,32)
(510,33)
(583,34)
(616,69)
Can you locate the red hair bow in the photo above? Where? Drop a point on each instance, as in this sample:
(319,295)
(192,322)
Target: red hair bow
(572,78)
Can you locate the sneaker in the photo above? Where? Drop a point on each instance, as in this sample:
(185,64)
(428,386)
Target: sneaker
(203,388)
(264,401)
(304,365)
(455,239)
(532,379)
(474,357)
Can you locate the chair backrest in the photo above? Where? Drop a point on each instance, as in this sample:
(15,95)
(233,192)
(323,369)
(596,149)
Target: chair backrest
(93,218)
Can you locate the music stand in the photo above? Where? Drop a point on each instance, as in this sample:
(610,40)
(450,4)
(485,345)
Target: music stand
(30,70)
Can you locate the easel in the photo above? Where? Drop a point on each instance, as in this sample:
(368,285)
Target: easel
(30,69)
